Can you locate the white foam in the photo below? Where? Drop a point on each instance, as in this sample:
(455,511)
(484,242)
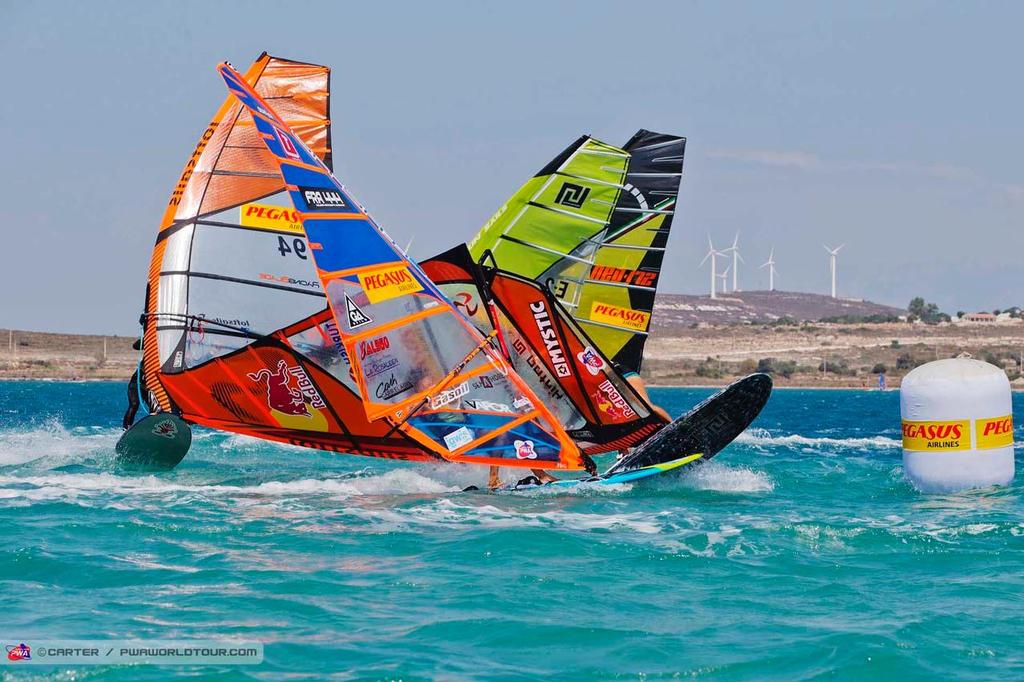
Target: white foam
(71,486)
(448,512)
(763,437)
(727,479)
(53,441)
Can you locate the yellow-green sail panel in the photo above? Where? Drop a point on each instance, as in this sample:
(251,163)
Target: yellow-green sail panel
(593,226)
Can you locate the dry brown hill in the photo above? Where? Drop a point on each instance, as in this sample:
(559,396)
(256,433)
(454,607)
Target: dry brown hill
(674,311)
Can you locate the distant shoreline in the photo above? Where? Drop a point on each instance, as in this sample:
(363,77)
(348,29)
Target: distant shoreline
(818,356)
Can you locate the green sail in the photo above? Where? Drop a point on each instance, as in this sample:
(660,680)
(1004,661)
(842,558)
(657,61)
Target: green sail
(593,226)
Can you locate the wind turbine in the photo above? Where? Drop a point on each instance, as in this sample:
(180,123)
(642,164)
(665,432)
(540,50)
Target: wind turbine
(771,269)
(712,254)
(735,248)
(832,264)
(723,276)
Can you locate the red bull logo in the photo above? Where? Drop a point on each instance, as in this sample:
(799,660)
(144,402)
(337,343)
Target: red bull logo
(611,402)
(282,396)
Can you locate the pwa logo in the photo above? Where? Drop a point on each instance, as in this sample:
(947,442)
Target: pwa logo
(550,338)
(572,195)
(525,450)
(591,360)
(282,397)
(19,652)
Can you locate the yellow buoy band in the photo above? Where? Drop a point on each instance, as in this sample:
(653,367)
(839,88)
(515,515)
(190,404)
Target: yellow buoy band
(945,436)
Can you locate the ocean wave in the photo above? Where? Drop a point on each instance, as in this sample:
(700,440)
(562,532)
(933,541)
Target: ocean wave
(55,486)
(55,443)
(449,512)
(763,437)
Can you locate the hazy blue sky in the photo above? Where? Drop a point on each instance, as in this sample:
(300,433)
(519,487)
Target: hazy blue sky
(893,127)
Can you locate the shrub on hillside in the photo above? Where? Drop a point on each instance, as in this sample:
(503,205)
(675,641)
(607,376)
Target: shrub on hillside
(782,368)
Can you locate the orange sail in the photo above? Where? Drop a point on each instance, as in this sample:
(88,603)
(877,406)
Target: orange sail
(230,275)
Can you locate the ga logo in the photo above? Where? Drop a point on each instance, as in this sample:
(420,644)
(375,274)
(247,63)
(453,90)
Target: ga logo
(589,358)
(524,449)
(19,652)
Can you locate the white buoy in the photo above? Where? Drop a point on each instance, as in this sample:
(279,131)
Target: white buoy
(957,425)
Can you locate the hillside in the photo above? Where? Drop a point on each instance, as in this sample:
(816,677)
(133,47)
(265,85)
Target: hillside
(675,311)
(39,355)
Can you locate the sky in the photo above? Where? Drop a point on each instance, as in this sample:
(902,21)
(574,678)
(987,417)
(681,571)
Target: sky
(893,128)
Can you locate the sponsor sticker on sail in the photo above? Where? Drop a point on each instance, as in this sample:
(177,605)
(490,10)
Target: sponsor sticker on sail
(270,217)
(640,278)
(457,438)
(388,283)
(449,396)
(607,313)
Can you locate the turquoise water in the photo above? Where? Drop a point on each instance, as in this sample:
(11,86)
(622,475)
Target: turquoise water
(798,553)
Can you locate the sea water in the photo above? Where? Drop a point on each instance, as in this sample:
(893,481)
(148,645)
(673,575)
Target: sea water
(800,551)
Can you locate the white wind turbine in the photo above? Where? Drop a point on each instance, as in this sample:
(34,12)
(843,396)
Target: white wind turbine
(832,264)
(723,277)
(770,264)
(712,254)
(736,259)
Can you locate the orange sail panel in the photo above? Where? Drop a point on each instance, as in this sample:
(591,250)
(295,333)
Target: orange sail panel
(418,363)
(231,273)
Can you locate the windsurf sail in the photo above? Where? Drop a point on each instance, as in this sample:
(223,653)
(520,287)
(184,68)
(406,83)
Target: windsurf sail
(550,350)
(593,226)
(418,364)
(231,273)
